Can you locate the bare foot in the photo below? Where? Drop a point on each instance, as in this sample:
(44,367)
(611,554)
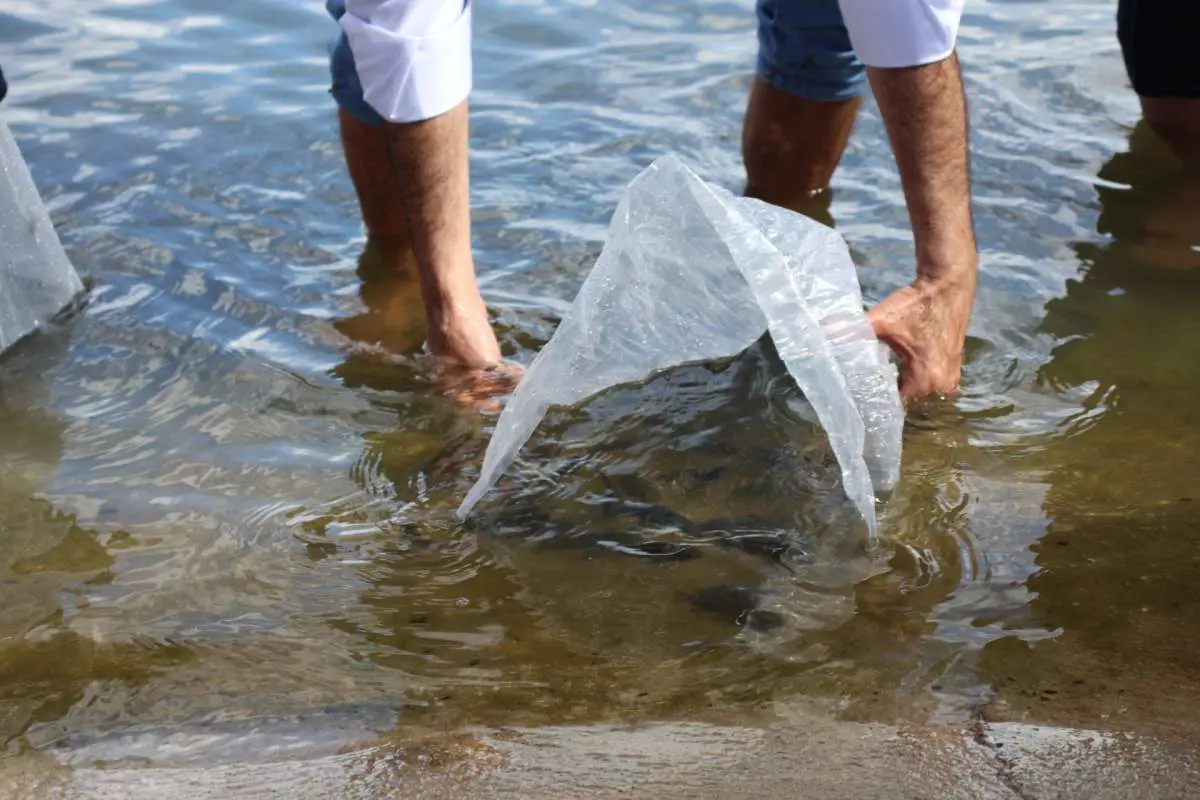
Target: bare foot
(467,358)
(480,388)
(460,333)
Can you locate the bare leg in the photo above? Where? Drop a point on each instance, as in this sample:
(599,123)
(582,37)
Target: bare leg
(1176,119)
(411,182)
(393,315)
(791,145)
(370,165)
(412,185)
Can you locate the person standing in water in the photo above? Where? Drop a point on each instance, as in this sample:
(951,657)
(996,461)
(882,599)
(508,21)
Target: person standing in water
(401,76)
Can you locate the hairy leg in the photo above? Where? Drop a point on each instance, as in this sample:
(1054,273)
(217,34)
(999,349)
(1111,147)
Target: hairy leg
(412,186)
(369,163)
(792,145)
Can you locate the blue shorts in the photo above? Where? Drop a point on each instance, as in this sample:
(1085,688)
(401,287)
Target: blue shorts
(804,49)
(345,87)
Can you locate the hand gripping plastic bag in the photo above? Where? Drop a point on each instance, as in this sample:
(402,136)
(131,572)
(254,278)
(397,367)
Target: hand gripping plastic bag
(36,278)
(691,272)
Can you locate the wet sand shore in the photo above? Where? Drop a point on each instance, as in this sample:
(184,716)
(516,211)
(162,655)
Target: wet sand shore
(800,753)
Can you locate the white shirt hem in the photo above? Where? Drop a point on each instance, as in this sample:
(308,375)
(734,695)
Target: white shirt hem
(902,33)
(411,78)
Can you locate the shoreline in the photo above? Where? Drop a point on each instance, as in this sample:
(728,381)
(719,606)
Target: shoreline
(801,752)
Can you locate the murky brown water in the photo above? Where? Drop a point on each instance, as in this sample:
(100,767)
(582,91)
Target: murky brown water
(226,517)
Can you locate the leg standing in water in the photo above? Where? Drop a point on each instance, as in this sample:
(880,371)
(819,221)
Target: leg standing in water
(401,74)
(815,58)
(1157,37)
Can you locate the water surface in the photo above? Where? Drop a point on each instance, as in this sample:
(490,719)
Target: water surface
(226,488)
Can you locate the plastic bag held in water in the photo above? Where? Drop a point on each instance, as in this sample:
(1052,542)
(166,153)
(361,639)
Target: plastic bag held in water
(691,272)
(36,278)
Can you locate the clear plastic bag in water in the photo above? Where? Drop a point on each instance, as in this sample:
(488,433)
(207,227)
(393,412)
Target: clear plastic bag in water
(36,278)
(691,272)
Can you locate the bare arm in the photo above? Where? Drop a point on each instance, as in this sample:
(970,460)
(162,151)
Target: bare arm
(926,118)
(925,113)
(908,47)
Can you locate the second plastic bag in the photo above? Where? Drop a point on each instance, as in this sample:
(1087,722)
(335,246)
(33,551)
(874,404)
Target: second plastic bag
(690,273)
(36,278)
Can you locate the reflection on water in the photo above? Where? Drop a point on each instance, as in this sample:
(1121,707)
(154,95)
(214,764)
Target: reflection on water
(227,488)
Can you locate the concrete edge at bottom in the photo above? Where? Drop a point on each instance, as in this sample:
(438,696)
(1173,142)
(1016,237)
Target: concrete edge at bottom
(805,755)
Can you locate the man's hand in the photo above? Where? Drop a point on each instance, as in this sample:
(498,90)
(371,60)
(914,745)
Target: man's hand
(925,324)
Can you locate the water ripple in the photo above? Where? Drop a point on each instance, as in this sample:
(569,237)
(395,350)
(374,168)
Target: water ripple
(215,499)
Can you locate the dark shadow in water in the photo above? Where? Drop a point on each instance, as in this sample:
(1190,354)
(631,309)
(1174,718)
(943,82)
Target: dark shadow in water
(1102,633)
(1119,563)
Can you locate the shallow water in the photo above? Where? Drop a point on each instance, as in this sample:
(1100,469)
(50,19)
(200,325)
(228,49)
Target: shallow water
(226,491)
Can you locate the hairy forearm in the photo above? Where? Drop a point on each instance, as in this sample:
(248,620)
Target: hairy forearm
(925,113)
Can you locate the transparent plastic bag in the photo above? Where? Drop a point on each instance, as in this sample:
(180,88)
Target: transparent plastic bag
(36,278)
(692,272)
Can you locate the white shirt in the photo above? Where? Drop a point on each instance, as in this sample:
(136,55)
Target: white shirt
(414,56)
(901,33)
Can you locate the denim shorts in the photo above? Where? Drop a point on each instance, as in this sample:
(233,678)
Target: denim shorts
(804,49)
(345,86)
